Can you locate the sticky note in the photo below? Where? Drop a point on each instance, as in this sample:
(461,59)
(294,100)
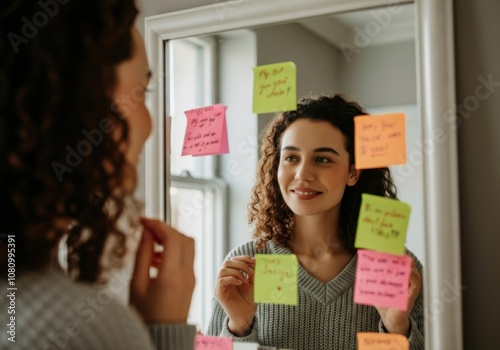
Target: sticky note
(202,342)
(379,140)
(275,279)
(382,341)
(275,88)
(206,131)
(382,224)
(382,279)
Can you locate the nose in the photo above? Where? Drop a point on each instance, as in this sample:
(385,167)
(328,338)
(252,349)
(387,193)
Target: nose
(304,172)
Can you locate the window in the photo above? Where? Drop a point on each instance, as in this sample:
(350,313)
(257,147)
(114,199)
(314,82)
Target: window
(198,198)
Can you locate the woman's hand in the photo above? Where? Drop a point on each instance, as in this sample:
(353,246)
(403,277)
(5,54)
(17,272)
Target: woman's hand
(166,298)
(398,321)
(234,291)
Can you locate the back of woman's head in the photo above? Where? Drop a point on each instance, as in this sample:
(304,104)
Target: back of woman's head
(268,210)
(61,141)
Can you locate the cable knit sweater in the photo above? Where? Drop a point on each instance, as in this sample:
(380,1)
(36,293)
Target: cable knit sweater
(53,312)
(326,316)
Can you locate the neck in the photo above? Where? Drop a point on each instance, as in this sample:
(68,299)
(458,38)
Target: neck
(316,235)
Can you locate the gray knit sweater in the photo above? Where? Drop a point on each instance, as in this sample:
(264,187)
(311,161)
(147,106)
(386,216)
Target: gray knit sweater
(53,312)
(325,318)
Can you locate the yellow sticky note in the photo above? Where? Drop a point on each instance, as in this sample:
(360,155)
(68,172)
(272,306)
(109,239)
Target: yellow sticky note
(382,341)
(382,224)
(275,88)
(275,279)
(379,140)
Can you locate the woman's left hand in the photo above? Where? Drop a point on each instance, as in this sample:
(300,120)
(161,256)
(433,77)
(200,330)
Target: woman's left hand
(396,320)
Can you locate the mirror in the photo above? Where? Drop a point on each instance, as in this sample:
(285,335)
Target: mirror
(364,57)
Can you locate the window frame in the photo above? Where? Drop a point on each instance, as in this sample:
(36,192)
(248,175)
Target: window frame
(209,180)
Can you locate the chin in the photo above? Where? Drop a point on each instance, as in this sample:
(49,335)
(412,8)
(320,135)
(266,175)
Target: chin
(303,211)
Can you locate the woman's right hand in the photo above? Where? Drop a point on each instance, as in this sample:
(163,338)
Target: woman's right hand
(235,293)
(165,298)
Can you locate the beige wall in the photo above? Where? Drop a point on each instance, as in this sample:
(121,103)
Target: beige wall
(477,47)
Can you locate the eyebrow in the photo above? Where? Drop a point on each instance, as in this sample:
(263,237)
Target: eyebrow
(317,150)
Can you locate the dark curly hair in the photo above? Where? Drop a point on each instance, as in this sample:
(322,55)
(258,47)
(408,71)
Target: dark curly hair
(272,218)
(57,77)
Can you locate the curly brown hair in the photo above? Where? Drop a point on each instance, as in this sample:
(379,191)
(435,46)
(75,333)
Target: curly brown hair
(61,140)
(272,218)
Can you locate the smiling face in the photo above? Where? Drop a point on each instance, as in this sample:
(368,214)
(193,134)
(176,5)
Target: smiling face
(314,168)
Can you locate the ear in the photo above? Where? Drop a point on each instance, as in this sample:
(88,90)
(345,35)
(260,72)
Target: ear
(354,175)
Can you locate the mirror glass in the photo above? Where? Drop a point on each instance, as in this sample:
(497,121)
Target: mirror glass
(369,56)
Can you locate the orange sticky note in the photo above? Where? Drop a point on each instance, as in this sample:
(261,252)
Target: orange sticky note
(382,341)
(206,131)
(379,140)
(202,342)
(382,279)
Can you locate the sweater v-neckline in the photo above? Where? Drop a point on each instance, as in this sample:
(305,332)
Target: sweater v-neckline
(325,293)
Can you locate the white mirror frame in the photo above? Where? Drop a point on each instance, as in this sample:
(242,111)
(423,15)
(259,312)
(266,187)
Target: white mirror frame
(437,106)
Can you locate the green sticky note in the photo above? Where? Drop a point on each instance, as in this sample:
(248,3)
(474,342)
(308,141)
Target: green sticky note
(382,224)
(275,88)
(275,279)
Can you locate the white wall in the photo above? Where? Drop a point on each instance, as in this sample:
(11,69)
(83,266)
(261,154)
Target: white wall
(382,75)
(315,59)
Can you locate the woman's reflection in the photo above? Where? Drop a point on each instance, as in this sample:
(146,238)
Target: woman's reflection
(306,201)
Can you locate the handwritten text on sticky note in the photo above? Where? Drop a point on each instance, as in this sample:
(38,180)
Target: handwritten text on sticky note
(275,280)
(382,279)
(382,224)
(379,140)
(206,131)
(382,341)
(275,88)
(202,342)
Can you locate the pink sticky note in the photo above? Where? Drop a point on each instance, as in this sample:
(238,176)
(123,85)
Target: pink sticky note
(206,131)
(224,144)
(382,279)
(202,342)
